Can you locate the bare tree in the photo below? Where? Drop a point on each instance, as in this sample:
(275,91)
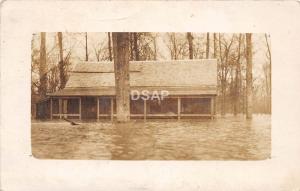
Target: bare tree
(249,87)
(143,46)
(109,47)
(86,48)
(236,107)
(154,46)
(268,75)
(190,40)
(43,66)
(222,78)
(215,45)
(135,46)
(121,67)
(223,68)
(147,46)
(131,51)
(60,45)
(173,46)
(101,51)
(61,64)
(178,46)
(207,45)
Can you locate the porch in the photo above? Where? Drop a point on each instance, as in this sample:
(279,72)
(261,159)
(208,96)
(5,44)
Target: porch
(104,107)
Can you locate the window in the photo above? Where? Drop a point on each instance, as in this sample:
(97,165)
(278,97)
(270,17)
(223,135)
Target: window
(104,105)
(195,105)
(137,106)
(72,106)
(65,106)
(165,106)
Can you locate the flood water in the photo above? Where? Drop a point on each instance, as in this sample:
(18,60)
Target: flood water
(230,138)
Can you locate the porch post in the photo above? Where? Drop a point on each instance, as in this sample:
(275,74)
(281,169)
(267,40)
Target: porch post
(80,108)
(145,110)
(212,107)
(51,108)
(60,107)
(97,108)
(215,105)
(65,108)
(112,109)
(178,107)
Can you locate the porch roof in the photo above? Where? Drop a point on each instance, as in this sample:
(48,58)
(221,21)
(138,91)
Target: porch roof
(110,91)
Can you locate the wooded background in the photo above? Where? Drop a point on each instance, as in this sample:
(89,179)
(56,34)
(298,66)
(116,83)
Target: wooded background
(54,53)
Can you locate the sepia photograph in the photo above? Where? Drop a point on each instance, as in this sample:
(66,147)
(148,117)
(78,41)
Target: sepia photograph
(151,95)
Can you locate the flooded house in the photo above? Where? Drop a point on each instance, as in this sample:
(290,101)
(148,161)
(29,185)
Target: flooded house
(159,89)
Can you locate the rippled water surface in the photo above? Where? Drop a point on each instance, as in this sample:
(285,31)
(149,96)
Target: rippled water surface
(230,138)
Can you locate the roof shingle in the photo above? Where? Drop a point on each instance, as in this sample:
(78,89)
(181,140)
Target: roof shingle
(182,76)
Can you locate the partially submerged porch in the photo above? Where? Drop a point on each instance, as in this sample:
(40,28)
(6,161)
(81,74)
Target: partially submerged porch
(104,107)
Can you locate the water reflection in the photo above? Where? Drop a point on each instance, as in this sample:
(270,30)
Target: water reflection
(230,138)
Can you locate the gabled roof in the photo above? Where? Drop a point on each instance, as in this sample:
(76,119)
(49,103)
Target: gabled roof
(186,77)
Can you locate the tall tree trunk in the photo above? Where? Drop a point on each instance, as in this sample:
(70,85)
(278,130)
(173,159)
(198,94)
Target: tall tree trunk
(43,66)
(60,46)
(215,57)
(236,108)
(131,47)
(109,47)
(249,89)
(269,77)
(223,99)
(135,47)
(86,48)
(241,106)
(61,64)
(174,46)
(222,79)
(121,67)
(155,48)
(190,41)
(215,45)
(207,45)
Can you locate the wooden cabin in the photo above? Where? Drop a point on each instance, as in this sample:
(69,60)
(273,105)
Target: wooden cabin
(90,91)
